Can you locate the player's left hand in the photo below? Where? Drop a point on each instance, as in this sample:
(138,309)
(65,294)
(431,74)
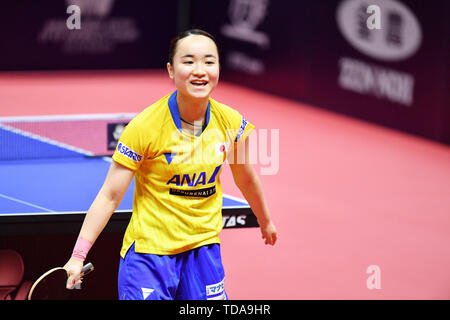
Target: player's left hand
(269,233)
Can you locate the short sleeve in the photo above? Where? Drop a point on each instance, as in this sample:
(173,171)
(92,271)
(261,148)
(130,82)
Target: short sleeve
(130,150)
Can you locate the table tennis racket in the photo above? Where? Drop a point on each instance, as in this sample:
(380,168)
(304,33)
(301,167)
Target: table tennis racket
(52,284)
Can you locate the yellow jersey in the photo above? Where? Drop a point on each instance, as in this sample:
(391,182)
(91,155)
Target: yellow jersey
(177,204)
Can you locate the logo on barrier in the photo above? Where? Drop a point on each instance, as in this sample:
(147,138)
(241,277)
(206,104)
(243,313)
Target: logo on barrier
(114,131)
(245,17)
(399,34)
(234,221)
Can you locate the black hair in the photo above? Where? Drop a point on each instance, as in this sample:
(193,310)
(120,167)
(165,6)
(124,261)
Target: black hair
(184,34)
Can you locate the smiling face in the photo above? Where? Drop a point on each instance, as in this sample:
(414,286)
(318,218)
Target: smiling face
(195,68)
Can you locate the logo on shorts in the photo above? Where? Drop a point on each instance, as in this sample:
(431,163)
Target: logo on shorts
(146,292)
(127,152)
(215,289)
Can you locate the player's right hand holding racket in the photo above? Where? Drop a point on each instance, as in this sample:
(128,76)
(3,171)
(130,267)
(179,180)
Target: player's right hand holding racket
(73,268)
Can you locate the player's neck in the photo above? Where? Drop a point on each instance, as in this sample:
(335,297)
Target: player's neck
(192,110)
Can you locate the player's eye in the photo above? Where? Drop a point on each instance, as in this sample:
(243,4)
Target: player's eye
(188,62)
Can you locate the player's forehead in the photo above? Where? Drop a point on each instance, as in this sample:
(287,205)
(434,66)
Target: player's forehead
(197,46)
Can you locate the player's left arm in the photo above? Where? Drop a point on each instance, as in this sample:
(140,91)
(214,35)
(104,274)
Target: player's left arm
(249,184)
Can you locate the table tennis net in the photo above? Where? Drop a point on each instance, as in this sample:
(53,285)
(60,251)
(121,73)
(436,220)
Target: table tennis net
(44,137)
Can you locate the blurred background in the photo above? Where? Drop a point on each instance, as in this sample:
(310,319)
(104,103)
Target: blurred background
(363,114)
(318,52)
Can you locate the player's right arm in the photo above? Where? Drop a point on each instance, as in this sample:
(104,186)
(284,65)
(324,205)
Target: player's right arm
(106,202)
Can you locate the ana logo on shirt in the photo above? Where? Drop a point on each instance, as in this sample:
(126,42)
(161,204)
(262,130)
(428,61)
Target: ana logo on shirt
(196,179)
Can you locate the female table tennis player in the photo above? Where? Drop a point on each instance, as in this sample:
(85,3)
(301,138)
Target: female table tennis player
(175,149)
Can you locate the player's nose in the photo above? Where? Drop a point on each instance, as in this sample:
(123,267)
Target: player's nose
(199,69)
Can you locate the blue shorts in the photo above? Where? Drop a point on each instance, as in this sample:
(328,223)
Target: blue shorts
(196,274)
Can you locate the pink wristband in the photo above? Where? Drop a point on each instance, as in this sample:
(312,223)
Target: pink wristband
(82,247)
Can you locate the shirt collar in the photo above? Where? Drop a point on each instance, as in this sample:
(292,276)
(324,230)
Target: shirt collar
(173,107)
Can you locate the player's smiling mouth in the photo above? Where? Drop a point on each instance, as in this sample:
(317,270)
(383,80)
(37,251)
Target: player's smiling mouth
(199,83)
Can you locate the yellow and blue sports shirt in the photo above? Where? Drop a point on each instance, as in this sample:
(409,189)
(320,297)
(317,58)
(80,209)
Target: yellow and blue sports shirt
(177,201)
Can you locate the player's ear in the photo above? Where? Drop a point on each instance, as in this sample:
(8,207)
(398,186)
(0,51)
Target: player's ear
(170,70)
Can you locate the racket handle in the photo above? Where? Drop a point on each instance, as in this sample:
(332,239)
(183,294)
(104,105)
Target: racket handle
(88,268)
